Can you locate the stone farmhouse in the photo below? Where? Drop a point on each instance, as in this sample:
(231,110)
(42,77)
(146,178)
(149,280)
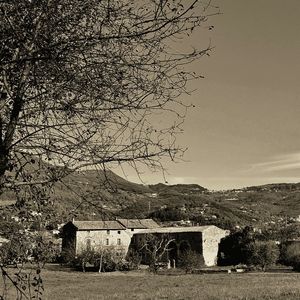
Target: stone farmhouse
(121,234)
(201,239)
(78,236)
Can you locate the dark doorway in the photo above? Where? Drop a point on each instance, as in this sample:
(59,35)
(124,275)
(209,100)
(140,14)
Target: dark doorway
(173,255)
(184,247)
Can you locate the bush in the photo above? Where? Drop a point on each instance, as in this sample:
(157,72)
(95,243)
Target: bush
(102,260)
(133,260)
(109,263)
(234,248)
(105,260)
(296,262)
(15,251)
(290,255)
(190,260)
(262,254)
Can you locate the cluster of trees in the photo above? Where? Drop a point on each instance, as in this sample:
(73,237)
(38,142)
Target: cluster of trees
(25,247)
(255,249)
(103,260)
(168,214)
(245,247)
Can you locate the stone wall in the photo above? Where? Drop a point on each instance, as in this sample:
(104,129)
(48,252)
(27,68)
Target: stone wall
(180,242)
(118,240)
(210,247)
(204,242)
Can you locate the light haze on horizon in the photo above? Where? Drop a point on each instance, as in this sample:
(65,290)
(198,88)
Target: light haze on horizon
(245,128)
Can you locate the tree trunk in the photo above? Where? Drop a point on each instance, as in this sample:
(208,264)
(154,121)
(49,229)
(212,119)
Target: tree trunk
(100,264)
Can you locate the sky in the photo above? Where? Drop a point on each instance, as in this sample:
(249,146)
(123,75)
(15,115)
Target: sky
(245,128)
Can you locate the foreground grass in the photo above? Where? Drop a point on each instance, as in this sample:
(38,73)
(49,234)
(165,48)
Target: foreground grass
(61,285)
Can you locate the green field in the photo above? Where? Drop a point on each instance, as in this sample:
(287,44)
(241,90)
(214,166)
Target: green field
(60,285)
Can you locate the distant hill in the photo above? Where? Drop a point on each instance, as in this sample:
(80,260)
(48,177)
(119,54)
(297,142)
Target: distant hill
(95,194)
(187,189)
(275,187)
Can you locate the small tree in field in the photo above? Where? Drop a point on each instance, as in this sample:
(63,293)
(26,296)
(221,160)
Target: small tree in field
(262,254)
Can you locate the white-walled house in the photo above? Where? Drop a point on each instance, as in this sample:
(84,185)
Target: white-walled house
(78,236)
(116,235)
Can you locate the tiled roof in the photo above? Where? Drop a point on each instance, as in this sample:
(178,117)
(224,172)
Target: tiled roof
(179,229)
(138,223)
(98,225)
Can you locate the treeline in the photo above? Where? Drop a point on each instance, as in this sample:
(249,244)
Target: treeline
(256,249)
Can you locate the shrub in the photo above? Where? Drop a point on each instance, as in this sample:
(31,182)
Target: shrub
(262,254)
(103,260)
(17,250)
(290,255)
(68,255)
(44,251)
(234,248)
(296,262)
(109,263)
(189,260)
(133,259)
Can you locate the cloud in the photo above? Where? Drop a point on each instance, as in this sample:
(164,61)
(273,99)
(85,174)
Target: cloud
(278,163)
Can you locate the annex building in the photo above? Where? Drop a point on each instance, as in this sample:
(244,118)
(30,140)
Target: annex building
(201,239)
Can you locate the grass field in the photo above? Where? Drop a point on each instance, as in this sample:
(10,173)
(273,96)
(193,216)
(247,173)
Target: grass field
(60,285)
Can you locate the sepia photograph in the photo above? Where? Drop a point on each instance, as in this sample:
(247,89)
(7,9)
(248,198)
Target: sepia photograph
(149,149)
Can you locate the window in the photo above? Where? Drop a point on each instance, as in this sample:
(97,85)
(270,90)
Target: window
(119,241)
(108,231)
(119,232)
(88,244)
(132,229)
(107,242)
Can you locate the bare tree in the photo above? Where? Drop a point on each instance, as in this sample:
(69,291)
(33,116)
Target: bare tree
(85,82)
(156,248)
(81,83)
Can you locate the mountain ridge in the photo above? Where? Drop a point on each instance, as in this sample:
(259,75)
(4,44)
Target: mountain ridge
(91,193)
